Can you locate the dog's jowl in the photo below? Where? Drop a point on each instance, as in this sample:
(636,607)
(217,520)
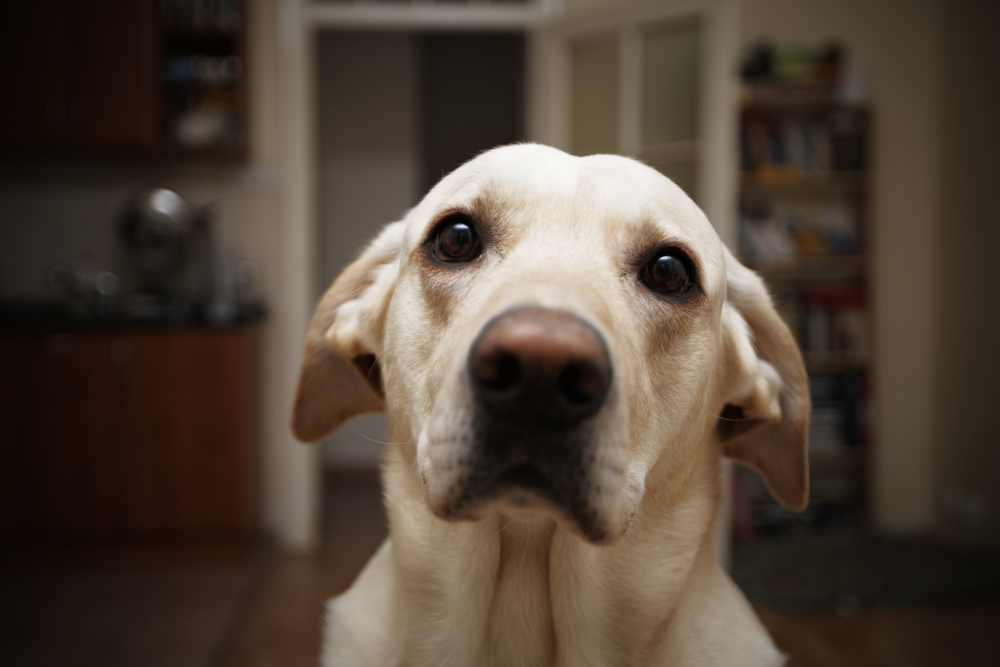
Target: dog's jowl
(566,351)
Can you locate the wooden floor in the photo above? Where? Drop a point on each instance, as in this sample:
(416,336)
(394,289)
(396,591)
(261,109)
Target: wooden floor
(283,627)
(931,637)
(120,614)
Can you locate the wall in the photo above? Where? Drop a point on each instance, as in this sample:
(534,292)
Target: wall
(396,111)
(369,170)
(897,43)
(472,97)
(368,128)
(55,210)
(965,264)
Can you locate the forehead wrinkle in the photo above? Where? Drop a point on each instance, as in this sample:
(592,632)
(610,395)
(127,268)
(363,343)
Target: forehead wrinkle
(638,183)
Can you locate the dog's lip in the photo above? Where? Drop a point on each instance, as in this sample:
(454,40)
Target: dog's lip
(524,492)
(522,485)
(528,478)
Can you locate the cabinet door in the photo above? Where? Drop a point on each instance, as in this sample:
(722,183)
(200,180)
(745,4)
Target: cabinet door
(32,80)
(184,432)
(56,451)
(80,73)
(113,91)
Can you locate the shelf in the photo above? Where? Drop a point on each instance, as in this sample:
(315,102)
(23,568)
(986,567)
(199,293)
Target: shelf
(822,459)
(835,362)
(806,268)
(185,33)
(789,182)
(816,97)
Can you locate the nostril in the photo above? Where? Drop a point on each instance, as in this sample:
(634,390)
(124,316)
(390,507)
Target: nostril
(579,383)
(540,367)
(497,372)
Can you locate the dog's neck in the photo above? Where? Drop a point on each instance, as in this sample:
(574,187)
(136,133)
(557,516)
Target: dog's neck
(522,576)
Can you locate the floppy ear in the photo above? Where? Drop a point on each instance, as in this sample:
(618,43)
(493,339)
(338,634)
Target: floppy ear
(765,421)
(340,376)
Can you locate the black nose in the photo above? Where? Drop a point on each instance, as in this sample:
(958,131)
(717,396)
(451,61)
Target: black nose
(540,367)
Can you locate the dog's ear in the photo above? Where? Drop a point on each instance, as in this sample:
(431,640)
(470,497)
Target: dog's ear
(765,421)
(340,376)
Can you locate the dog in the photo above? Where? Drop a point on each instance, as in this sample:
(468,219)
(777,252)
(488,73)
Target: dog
(566,351)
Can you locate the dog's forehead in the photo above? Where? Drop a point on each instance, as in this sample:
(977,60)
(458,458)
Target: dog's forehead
(531,188)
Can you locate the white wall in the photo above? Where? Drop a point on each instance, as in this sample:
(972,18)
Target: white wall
(368,125)
(368,172)
(56,210)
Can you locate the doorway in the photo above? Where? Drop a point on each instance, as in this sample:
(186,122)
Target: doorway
(397,110)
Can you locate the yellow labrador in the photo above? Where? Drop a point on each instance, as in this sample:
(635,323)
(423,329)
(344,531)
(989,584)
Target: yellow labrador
(566,351)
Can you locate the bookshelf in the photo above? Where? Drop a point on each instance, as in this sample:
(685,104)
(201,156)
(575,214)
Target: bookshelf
(804,193)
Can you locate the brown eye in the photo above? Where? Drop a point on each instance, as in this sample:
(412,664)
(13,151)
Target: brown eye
(667,274)
(456,241)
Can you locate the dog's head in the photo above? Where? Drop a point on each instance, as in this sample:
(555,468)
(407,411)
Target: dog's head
(545,329)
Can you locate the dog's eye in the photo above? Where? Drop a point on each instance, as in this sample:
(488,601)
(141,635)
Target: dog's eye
(667,273)
(456,241)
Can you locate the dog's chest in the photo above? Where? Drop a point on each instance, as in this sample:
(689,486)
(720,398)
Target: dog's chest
(519,627)
(490,607)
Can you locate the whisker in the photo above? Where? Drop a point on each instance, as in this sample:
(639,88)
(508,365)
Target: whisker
(502,528)
(527,539)
(378,442)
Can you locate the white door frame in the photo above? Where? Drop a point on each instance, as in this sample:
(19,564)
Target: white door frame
(291,471)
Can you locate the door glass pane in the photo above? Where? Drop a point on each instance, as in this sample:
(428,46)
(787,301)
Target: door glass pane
(681,173)
(595,95)
(670,83)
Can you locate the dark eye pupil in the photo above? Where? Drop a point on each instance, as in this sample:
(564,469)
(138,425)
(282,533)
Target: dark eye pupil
(456,242)
(668,274)
(457,236)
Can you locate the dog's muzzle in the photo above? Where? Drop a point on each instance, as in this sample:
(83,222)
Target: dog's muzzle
(538,379)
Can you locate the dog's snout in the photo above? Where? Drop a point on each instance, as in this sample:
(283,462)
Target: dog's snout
(540,366)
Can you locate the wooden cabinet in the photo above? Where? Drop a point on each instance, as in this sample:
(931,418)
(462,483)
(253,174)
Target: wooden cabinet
(80,73)
(57,453)
(32,74)
(123,74)
(119,436)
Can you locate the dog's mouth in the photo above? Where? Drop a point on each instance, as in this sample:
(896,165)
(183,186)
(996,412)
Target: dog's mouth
(525,486)
(527,490)
(526,477)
